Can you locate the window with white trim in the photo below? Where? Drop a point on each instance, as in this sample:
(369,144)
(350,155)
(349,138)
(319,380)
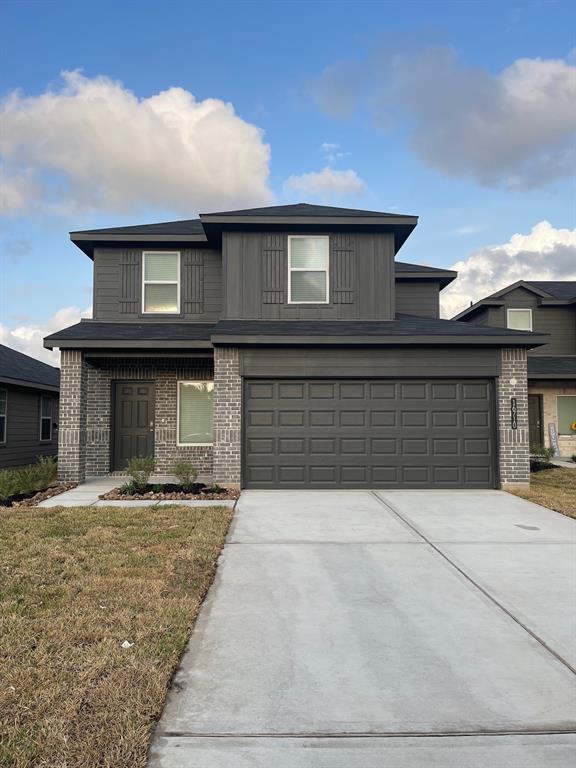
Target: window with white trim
(3,414)
(566,409)
(161,282)
(195,412)
(46,418)
(308,265)
(519,319)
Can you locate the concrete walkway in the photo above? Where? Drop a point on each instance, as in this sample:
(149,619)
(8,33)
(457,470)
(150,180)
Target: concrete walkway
(374,630)
(88,495)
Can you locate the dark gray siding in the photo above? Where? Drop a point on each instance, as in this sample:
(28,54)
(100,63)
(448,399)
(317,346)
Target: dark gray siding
(23,445)
(418,297)
(256,276)
(559,322)
(118,285)
(346,361)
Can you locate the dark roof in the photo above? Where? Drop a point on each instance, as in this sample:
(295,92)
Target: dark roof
(551,367)
(90,333)
(185,227)
(404,329)
(21,368)
(304,209)
(405,271)
(564,290)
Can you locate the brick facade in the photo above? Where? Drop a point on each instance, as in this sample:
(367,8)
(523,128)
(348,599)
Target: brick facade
(227,416)
(72,424)
(514,450)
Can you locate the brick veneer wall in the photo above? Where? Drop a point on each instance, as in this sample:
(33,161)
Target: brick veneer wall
(227,415)
(165,374)
(513,443)
(72,424)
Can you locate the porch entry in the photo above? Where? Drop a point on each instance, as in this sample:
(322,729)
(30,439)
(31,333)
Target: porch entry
(133,422)
(535,420)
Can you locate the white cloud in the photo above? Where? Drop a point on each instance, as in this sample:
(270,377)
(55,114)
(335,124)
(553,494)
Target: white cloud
(94,145)
(29,338)
(513,129)
(545,253)
(326,185)
(332,151)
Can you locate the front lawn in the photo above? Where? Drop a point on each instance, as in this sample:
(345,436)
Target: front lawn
(553,488)
(96,605)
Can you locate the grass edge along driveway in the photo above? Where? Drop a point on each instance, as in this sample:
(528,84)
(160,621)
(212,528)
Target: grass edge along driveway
(553,488)
(75,584)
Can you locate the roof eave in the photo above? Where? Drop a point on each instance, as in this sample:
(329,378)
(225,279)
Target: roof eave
(50,343)
(87,243)
(29,384)
(407,340)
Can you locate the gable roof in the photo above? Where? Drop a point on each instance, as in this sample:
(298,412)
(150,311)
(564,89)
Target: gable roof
(18,368)
(208,228)
(550,292)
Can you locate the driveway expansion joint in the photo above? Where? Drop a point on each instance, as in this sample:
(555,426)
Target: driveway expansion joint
(391,508)
(363,734)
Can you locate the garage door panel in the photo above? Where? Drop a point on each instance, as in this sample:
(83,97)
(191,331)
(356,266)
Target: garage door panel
(350,434)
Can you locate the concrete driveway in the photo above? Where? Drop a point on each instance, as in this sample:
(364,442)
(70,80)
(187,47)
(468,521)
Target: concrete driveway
(363,630)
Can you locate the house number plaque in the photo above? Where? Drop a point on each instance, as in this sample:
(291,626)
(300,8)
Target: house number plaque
(513,413)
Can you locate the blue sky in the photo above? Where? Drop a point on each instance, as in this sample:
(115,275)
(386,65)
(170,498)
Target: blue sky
(397,86)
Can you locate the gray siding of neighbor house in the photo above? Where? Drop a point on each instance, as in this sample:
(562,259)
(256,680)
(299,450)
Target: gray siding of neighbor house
(559,322)
(343,362)
(23,445)
(418,297)
(118,285)
(256,275)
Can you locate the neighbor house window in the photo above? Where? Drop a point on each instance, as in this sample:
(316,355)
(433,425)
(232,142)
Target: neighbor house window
(161,282)
(3,408)
(520,319)
(307,270)
(566,405)
(195,412)
(46,418)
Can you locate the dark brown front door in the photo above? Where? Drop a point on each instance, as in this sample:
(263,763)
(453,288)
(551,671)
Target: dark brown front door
(535,432)
(133,426)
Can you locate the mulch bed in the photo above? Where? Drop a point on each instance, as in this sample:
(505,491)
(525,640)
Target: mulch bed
(34,498)
(172,492)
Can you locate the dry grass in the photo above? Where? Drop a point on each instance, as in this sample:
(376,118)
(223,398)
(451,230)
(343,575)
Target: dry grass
(74,584)
(553,488)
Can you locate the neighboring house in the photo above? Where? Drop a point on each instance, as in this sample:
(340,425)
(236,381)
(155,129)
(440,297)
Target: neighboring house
(544,306)
(28,408)
(284,347)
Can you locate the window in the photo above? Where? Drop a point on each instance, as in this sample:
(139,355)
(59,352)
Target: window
(46,418)
(566,405)
(307,270)
(195,412)
(3,408)
(520,319)
(161,282)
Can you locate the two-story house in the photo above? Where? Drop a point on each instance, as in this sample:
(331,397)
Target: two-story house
(285,347)
(544,306)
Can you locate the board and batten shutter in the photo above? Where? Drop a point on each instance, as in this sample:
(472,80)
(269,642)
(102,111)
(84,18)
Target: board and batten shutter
(274,268)
(193,282)
(343,257)
(130,281)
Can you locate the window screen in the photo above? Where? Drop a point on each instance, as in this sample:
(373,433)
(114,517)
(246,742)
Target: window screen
(308,263)
(46,418)
(566,414)
(161,278)
(195,412)
(3,409)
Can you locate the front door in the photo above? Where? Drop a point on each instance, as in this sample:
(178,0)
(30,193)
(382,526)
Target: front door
(535,432)
(133,426)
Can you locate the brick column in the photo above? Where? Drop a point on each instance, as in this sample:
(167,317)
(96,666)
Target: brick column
(72,427)
(227,416)
(513,443)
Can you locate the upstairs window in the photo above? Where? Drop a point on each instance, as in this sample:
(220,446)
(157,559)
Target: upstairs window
(161,282)
(308,270)
(520,319)
(3,409)
(46,418)
(195,412)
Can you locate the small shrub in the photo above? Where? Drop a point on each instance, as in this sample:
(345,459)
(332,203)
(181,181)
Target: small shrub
(128,489)
(9,483)
(573,457)
(214,489)
(139,469)
(158,488)
(185,472)
(28,480)
(542,452)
